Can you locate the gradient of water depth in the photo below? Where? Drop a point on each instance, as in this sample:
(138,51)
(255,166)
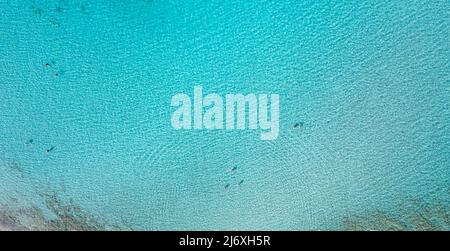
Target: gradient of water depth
(366,82)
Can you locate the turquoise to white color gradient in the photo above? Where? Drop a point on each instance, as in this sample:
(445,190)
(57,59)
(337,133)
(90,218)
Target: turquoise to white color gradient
(368,80)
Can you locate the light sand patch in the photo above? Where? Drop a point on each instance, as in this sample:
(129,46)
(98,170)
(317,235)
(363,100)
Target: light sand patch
(4,228)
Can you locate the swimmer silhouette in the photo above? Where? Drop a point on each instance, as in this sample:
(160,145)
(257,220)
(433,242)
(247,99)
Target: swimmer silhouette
(234,168)
(47,64)
(29,142)
(227,186)
(297,125)
(50,149)
(240,182)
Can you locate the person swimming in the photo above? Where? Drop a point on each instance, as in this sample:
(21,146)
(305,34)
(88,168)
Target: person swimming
(234,168)
(50,149)
(227,186)
(29,142)
(240,182)
(299,124)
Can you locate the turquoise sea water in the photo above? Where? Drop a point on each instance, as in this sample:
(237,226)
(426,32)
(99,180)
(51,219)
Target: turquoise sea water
(369,80)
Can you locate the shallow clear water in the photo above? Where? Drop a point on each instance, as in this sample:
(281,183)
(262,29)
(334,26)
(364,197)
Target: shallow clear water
(370,81)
